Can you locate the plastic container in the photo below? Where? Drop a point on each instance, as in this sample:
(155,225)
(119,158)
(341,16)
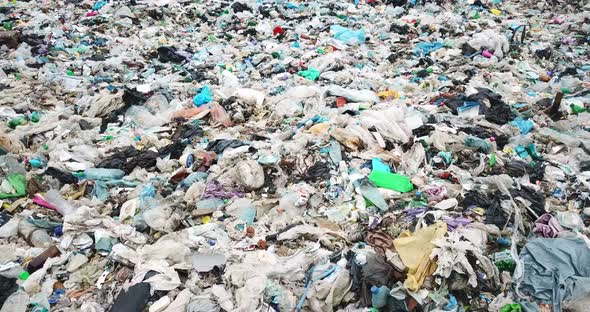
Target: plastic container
(372,194)
(248,214)
(379,296)
(103,174)
(392,181)
(59,203)
(40,238)
(335,152)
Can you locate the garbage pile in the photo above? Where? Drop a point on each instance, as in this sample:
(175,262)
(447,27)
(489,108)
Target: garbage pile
(372,155)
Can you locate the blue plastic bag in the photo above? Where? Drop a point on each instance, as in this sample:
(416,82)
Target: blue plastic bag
(425,48)
(205,96)
(524,125)
(347,36)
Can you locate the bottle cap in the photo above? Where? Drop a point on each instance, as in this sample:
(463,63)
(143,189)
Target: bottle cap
(23,276)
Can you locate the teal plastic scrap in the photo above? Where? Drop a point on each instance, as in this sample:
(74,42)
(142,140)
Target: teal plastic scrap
(203,97)
(524,125)
(425,48)
(446,156)
(521,151)
(310,74)
(378,165)
(347,36)
(478,143)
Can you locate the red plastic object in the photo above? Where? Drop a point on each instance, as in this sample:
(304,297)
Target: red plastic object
(278,31)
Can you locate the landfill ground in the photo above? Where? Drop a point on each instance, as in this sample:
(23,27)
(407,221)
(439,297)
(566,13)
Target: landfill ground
(274,155)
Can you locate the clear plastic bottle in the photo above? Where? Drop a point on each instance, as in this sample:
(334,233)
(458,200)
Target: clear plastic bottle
(379,296)
(10,165)
(37,237)
(60,204)
(40,238)
(372,194)
(248,214)
(335,152)
(289,201)
(103,174)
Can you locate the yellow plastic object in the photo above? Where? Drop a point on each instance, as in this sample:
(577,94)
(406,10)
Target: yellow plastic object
(388,94)
(414,250)
(495,12)
(319,128)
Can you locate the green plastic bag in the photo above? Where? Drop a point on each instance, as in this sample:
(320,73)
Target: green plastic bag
(576,109)
(392,181)
(511,307)
(18,183)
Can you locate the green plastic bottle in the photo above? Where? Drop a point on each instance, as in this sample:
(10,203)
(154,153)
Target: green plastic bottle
(35,117)
(391,181)
(15,122)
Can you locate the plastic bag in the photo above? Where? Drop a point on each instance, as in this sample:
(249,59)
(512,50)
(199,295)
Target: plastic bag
(347,36)
(389,123)
(219,116)
(203,97)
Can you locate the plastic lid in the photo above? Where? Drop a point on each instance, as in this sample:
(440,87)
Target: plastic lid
(24,275)
(374,289)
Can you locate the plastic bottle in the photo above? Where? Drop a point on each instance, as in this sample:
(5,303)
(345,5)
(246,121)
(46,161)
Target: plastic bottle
(379,296)
(248,214)
(339,213)
(40,238)
(9,164)
(372,194)
(392,181)
(59,203)
(15,122)
(289,201)
(335,152)
(39,260)
(36,163)
(37,237)
(35,117)
(210,203)
(103,174)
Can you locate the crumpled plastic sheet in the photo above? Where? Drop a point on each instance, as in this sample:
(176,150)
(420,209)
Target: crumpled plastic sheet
(87,219)
(249,276)
(547,226)
(556,270)
(451,254)
(214,189)
(461,113)
(414,249)
(330,291)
